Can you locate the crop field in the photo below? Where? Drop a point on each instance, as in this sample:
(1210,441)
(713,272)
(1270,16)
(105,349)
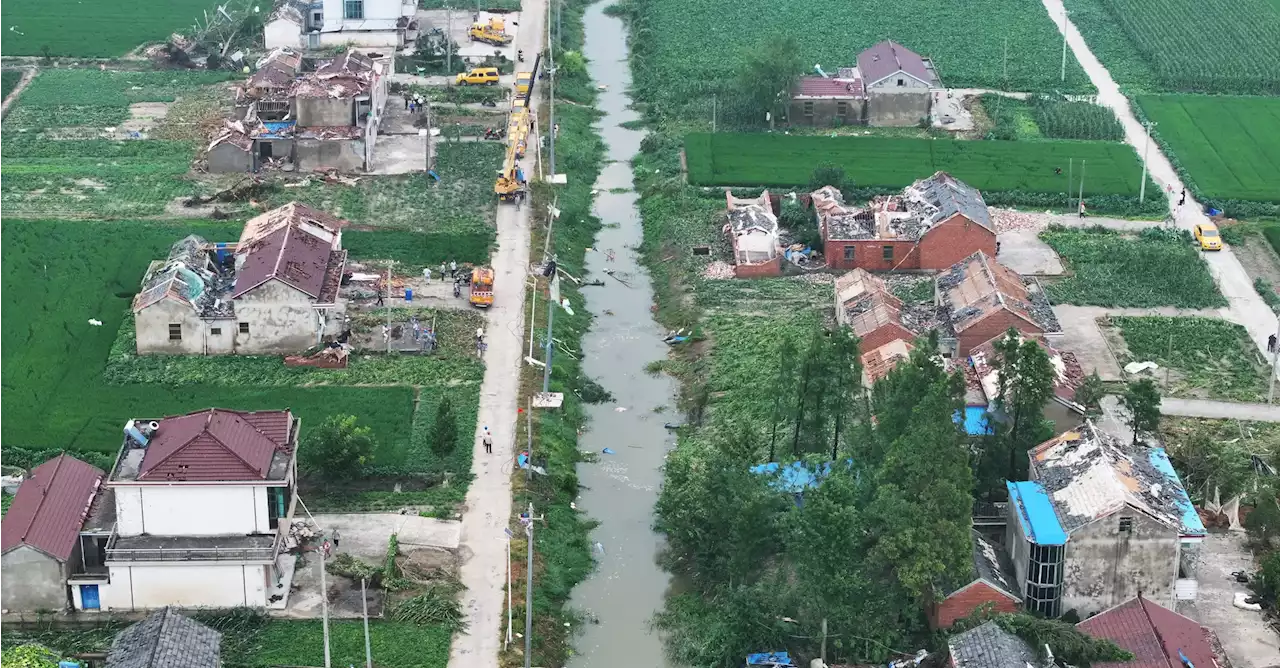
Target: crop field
(1178,45)
(8,81)
(780,160)
(101,29)
(1228,145)
(1207,358)
(65,384)
(682,51)
(1158,268)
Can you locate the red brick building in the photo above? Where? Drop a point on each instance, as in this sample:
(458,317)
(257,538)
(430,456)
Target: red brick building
(982,299)
(1154,634)
(870,310)
(993,585)
(752,229)
(933,224)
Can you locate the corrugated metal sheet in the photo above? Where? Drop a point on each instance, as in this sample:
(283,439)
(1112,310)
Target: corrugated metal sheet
(51,506)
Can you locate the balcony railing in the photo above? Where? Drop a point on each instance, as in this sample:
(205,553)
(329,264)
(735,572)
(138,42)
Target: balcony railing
(195,552)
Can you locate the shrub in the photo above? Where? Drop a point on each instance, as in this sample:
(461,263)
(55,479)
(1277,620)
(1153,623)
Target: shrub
(338,448)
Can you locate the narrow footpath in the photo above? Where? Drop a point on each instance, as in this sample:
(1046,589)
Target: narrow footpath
(488,505)
(1247,308)
(1228,410)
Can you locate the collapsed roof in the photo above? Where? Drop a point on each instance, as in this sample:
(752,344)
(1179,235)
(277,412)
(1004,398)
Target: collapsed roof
(351,74)
(277,70)
(1068,374)
(187,276)
(978,286)
(752,228)
(877,363)
(840,87)
(908,216)
(864,303)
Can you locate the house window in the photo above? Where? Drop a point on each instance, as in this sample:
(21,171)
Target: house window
(901,82)
(849,251)
(244,328)
(886,252)
(175,332)
(842,109)
(808,109)
(273,110)
(215,331)
(1126,524)
(1044,580)
(353,9)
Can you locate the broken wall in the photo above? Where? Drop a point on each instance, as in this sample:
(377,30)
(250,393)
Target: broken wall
(1105,566)
(870,254)
(898,109)
(280,320)
(345,155)
(392,37)
(953,240)
(229,159)
(282,33)
(325,112)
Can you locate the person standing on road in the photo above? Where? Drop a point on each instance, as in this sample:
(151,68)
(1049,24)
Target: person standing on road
(488,443)
(453,269)
(1081,208)
(1183,198)
(1271,343)
(336,538)
(442,271)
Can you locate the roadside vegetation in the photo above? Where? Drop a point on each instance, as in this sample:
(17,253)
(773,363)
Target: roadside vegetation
(1049,118)
(1203,358)
(1106,268)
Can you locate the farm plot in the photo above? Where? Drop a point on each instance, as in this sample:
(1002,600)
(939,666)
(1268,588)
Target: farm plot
(1157,268)
(1228,145)
(58,275)
(1181,43)
(1206,358)
(102,29)
(683,51)
(780,160)
(8,81)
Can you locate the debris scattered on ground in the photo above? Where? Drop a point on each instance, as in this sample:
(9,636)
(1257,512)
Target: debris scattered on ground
(718,270)
(816,279)
(1008,220)
(1139,367)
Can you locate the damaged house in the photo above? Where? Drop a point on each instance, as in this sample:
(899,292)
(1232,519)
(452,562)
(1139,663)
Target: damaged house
(981,299)
(305,120)
(752,229)
(1062,409)
(931,225)
(273,292)
(991,585)
(890,87)
(865,305)
(297,24)
(1099,522)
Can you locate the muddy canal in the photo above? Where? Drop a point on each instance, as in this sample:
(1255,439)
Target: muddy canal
(620,490)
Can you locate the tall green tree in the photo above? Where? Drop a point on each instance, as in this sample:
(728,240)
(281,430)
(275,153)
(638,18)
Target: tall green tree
(783,391)
(846,370)
(1025,385)
(813,406)
(1090,393)
(1142,399)
(768,74)
(894,397)
(338,448)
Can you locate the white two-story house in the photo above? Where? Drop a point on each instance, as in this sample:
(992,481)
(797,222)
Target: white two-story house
(202,507)
(314,24)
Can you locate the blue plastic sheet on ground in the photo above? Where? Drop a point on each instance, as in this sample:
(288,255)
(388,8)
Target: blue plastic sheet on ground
(769,659)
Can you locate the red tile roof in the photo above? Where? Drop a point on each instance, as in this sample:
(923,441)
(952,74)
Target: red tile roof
(887,58)
(290,255)
(216,445)
(50,507)
(834,88)
(1153,633)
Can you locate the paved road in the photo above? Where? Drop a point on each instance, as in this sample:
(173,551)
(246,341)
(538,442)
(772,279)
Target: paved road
(488,510)
(1220,409)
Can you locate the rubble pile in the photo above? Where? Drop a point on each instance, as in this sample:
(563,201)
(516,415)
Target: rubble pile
(816,278)
(1008,220)
(718,270)
(921,318)
(1040,308)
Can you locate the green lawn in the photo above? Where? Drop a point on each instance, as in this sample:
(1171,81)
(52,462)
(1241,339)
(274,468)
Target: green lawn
(781,160)
(8,81)
(1229,145)
(87,29)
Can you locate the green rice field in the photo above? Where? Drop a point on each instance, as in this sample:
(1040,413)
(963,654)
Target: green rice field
(1228,145)
(728,159)
(92,29)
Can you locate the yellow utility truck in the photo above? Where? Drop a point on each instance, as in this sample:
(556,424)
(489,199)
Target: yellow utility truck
(493,31)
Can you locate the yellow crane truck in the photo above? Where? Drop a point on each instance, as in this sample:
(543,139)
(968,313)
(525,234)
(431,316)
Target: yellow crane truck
(493,31)
(511,181)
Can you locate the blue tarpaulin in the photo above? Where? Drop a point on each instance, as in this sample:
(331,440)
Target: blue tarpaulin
(1191,523)
(1035,513)
(796,476)
(274,128)
(769,659)
(974,420)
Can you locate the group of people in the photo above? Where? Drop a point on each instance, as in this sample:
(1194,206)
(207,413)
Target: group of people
(413,104)
(452,271)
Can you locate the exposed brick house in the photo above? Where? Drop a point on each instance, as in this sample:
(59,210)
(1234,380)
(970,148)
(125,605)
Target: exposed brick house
(752,229)
(866,306)
(982,371)
(829,101)
(982,299)
(992,584)
(931,225)
(878,362)
(1154,634)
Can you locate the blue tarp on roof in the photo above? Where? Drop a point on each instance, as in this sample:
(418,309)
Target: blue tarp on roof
(795,477)
(274,128)
(974,420)
(1035,513)
(1191,524)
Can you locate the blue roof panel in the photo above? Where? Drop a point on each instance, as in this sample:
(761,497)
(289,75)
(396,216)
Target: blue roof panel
(1191,524)
(1035,513)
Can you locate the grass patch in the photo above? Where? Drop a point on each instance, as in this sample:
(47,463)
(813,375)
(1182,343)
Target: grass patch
(1208,358)
(9,80)
(1227,145)
(780,160)
(98,30)
(1157,268)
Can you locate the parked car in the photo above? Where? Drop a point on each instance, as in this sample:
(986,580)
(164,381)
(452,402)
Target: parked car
(486,76)
(1207,236)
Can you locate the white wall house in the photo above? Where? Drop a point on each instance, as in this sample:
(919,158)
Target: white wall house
(313,25)
(202,503)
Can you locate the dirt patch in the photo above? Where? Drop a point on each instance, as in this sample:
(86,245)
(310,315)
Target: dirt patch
(145,116)
(90,183)
(1258,259)
(176,208)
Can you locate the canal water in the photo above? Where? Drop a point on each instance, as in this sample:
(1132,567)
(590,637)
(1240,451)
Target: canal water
(619,491)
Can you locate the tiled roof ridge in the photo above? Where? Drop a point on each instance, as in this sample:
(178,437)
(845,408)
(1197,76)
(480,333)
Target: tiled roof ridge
(44,494)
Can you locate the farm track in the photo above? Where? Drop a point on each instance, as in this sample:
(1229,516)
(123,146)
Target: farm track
(27,75)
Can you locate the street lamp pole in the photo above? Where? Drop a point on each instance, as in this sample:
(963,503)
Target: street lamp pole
(1146,147)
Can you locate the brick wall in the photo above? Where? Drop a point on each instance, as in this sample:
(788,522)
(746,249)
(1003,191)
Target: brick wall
(991,326)
(884,335)
(953,240)
(869,255)
(962,603)
(763,269)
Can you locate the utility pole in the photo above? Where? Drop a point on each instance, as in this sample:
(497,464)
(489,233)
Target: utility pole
(1080,198)
(1146,147)
(528,472)
(1070,177)
(387,334)
(1064,43)
(368,649)
(324,610)
(551,96)
(448,44)
(551,318)
(528,593)
(559,10)
(1275,366)
(509,613)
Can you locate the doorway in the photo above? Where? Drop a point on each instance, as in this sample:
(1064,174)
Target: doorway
(89,597)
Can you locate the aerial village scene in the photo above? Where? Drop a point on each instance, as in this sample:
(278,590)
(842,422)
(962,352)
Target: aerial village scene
(640,334)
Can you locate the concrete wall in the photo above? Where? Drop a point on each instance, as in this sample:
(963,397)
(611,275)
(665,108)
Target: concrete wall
(334,17)
(898,109)
(952,241)
(282,33)
(280,148)
(1015,542)
(33,580)
(192,510)
(188,584)
(374,38)
(826,113)
(1105,566)
(151,328)
(346,155)
(229,159)
(325,111)
(760,269)
(869,254)
(280,320)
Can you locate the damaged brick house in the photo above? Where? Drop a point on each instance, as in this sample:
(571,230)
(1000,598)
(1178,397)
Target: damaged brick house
(1099,522)
(1062,409)
(752,229)
(864,304)
(308,120)
(273,292)
(981,299)
(890,87)
(991,584)
(931,225)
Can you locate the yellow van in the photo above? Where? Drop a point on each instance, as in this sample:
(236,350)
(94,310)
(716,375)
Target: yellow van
(487,76)
(523,79)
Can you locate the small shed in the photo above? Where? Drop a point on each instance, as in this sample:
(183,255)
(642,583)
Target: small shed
(229,152)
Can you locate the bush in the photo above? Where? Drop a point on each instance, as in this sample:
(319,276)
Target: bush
(1267,581)
(1267,293)
(337,449)
(1263,524)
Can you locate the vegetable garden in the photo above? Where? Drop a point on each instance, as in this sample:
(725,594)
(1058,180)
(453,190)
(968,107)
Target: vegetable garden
(1226,145)
(1208,358)
(1158,268)
(1049,118)
(102,29)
